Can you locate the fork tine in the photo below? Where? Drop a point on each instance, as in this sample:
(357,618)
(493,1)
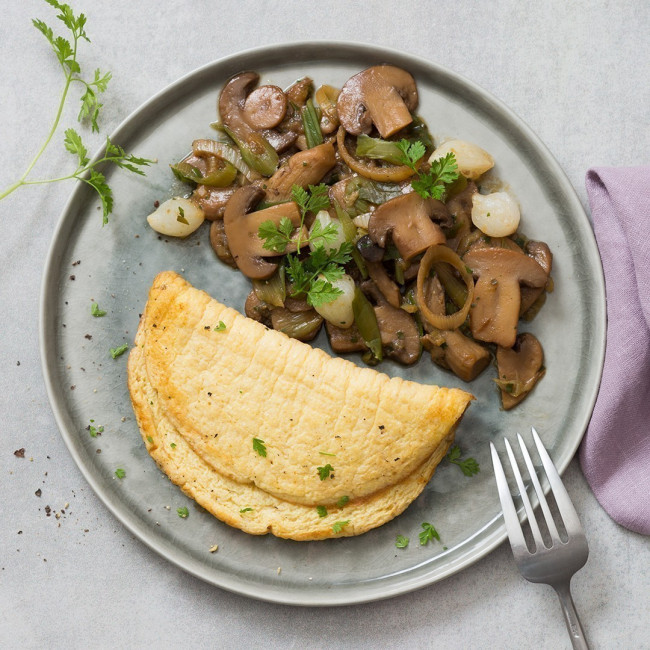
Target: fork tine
(564,503)
(552,529)
(515,534)
(537,535)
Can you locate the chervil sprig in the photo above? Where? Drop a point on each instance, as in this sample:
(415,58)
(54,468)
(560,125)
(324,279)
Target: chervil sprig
(442,172)
(66,53)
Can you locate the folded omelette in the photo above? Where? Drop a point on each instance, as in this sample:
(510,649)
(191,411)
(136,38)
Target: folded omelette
(271,435)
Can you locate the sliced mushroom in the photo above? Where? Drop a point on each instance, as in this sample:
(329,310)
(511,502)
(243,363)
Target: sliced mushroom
(460,207)
(265,107)
(495,310)
(369,250)
(541,253)
(280,140)
(399,334)
(303,169)
(407,219)
(388,288)
(212,200)
(219,243)
(257,309)
(520,368)
(255,149)
(345,340)
(242,226)
(383,95)
(298,92)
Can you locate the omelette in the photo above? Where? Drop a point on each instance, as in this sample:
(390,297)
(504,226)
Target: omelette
(271,435)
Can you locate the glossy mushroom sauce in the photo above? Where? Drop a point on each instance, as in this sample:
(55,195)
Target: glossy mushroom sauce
(342,211)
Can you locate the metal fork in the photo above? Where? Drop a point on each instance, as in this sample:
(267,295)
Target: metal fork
(554,565)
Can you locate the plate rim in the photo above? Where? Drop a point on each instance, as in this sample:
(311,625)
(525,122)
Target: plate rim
(317,596)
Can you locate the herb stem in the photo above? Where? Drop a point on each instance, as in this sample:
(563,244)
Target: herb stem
(68,79)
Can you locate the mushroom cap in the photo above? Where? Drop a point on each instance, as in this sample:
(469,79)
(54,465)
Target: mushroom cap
(495,311)
(520,366)
(382,280)
(233,99)
(399,334)
(407,218)
(241,228)
(383,95)
(265,107)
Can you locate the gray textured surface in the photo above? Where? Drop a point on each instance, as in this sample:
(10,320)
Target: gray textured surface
(577,75)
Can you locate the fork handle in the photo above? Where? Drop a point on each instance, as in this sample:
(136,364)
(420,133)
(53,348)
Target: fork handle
(571,619)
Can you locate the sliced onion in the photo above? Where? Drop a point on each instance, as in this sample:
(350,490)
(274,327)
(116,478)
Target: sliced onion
(442,253)
(225,151)
(393,174)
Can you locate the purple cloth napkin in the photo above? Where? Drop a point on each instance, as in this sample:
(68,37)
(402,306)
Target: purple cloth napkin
(615,453)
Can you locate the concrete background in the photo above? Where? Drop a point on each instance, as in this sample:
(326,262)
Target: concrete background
(576,72)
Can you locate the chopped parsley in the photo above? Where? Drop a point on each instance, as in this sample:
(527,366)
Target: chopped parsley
(119,351)
(259,447)
(340,525)
(428,533)
(243,510)
(324,453)
(342,501)
(150,440)
(96,311)
(324,472)
(173,445)
(322,511)
(95,431)
(469,466)
(182,512)
(120,473)
(402,542)
(221,327)
(181,216)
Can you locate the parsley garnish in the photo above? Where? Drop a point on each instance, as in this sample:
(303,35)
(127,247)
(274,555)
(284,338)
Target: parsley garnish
(150,440)
(428,533)
(315,274)
(340,525)
(442,172)
(243,510)
(322,511)
(173,445)
(120,473)
(342,501)
(96,311)
(259,447)
(181,216)
(66,53)
(94,431)
(324,453)
(324,472)
(182,512)
(116,352)
(221,327)
(468,465)
(402,542)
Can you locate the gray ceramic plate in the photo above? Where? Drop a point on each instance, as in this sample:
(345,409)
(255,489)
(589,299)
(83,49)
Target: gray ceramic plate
(115,266)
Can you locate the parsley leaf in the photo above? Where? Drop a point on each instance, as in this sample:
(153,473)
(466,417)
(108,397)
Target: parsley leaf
(221,327)
(324,472)
(173,445)
(116,352)
(322,511)
(96,311)
(402,542)
(120,473)
(469,466)
(74,144)
(412,152)
(340,525)
(342,501)
(442,173)
(182,512)
(243,510)
(276,238)
(428,533)
(150,440)
(95,431)
(259,447)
